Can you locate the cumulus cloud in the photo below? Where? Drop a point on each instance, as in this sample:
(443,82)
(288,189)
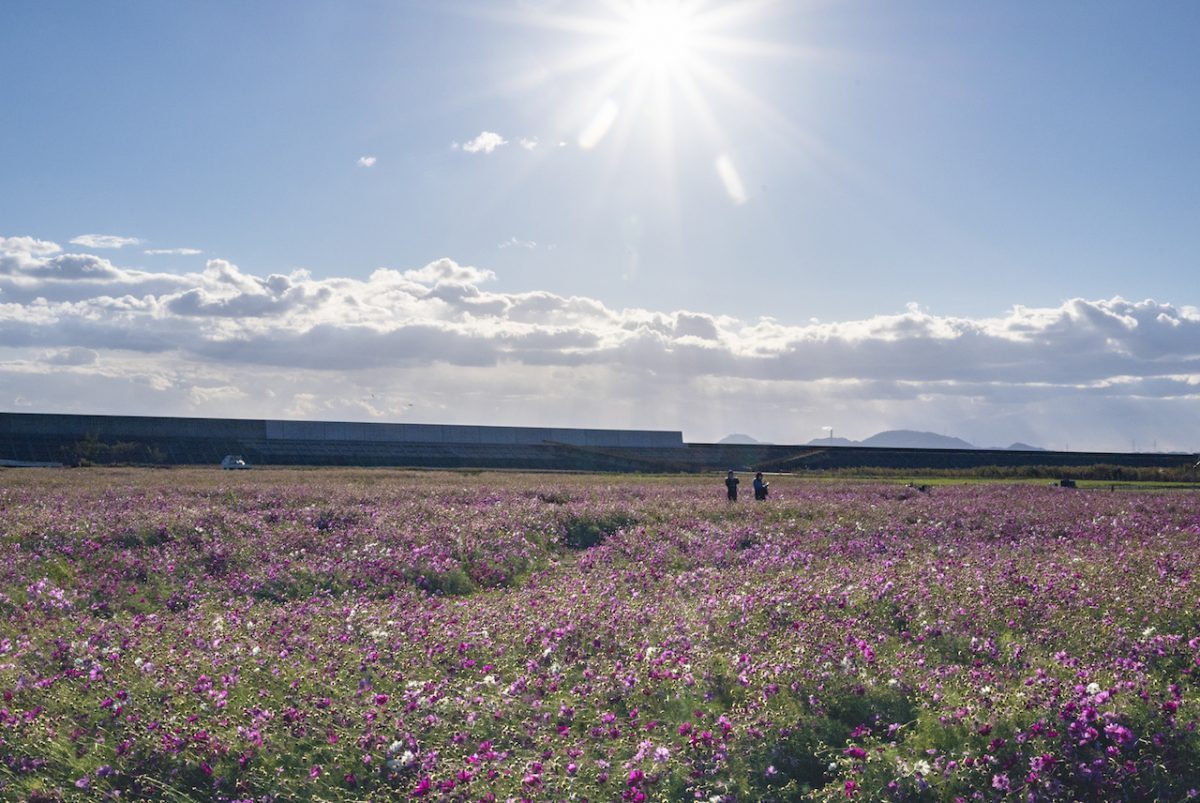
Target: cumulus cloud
(366,161)
(27,246)
(700,326)
(448,271)
(516,242)
(68,267)
(1084,369)
(104,241)
(18,254)
(486,142)
(233,294)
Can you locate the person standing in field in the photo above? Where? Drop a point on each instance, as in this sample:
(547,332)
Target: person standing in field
(760,487)
(731,484)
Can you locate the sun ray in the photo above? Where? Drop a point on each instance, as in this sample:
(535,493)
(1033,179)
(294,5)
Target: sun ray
(659,80)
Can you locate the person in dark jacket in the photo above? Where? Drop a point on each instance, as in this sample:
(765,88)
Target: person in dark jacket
(731,484)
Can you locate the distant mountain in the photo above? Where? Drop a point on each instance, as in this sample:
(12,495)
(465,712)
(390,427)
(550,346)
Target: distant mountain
(899,439)
(910,439)
(831,442)
(739,439)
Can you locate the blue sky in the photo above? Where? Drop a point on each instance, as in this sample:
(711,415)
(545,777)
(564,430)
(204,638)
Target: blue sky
(854,174)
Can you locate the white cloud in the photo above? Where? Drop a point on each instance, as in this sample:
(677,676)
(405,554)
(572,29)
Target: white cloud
(104,241)
(182,252)
(367,161)
(515,242)
(204,395)
(28,246)
(528,143)
(75,355)
(1095,373)
(304,405)
(447,270)
(486,142)
(60,267)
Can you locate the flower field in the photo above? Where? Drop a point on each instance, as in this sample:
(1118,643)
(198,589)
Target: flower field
(374,635)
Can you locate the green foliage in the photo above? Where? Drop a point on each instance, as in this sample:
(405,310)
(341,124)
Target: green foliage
(453,583)
(295,585)
(586,530)
(137,537)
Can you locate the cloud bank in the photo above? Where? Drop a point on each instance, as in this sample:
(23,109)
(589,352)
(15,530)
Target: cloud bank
(79,333)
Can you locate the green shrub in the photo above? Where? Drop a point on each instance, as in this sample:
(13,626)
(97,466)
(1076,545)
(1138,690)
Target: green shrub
(587,530)
(453,583)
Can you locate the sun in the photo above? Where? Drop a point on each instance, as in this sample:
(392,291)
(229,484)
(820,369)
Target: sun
(629,77)
(660,35)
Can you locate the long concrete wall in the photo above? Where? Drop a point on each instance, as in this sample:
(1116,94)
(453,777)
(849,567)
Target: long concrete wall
(136,428)
(443,433)
(107,427)
(32,438)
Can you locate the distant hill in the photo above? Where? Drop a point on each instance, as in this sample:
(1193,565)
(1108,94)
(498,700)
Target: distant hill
(910,439)
(1024,447)
(739,439)
(899,439)
(831,442)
